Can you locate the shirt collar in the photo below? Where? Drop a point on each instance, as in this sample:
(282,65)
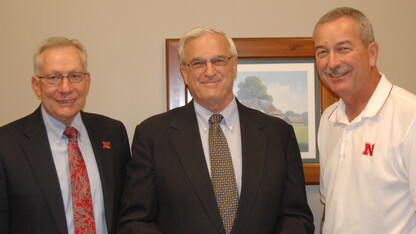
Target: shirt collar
(55,128)
(230,114)
(373,107)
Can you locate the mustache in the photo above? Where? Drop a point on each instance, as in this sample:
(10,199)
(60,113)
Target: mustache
(337,71)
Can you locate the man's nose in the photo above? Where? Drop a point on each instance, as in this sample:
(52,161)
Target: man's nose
(66,85)
(210,69)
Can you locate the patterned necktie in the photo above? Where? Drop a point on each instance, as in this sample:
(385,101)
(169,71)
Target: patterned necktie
(222,173)
(81,192)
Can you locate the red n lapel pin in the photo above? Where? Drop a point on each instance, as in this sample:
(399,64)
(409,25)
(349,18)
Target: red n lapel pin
(106,145)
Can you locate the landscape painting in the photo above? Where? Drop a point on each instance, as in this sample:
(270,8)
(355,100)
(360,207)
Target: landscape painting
(282,90)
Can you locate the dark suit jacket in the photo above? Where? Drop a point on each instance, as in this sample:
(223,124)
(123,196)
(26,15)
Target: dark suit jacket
(168,187)
(30,196)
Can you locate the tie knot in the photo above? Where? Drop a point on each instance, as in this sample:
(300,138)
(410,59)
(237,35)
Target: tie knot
(71,132)
(215,119)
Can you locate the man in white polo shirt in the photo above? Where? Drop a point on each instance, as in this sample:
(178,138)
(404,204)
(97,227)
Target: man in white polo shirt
(367,140)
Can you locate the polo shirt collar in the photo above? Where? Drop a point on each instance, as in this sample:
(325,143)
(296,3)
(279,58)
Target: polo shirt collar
(373,107)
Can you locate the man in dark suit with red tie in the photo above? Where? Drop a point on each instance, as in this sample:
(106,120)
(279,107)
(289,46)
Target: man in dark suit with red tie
(61,169)
(214,166)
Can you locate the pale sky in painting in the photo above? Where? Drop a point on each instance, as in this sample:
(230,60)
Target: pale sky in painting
(288,88)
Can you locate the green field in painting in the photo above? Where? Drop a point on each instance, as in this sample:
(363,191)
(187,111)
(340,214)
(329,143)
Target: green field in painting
(302,137)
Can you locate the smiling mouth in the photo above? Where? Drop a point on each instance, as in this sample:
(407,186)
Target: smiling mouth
(208,82)
(336,75)
(66,101)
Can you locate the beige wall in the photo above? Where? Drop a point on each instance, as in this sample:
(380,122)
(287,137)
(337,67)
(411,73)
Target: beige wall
(125,42)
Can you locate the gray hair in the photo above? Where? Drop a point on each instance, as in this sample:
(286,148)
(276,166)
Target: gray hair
(57,42)
(198,32)
(364,25)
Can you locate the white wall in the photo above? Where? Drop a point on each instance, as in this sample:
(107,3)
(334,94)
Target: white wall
(125,41)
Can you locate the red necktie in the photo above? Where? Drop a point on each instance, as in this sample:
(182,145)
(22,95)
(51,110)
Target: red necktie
(81,192)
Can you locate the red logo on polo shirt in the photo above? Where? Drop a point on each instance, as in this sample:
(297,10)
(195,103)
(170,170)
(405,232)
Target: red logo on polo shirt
(368,149)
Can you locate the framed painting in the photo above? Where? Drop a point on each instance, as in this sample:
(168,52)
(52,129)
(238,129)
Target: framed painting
(284,69)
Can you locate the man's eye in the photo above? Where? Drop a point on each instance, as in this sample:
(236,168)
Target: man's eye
(197,63)
(344,49)
(218,61)
(74,75)
(53,77)
(320,53)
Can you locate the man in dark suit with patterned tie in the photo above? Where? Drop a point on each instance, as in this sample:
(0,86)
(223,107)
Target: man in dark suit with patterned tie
(214,166)
(61,169)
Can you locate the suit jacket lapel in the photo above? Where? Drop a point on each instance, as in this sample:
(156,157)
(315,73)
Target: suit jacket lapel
(254,147)
(187,143)
(105,164)
(39,155)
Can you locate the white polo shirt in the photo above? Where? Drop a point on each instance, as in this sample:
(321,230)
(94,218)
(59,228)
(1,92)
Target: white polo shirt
(368,166)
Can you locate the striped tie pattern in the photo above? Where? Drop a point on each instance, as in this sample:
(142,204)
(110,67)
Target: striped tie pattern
(80,184)
(222,173)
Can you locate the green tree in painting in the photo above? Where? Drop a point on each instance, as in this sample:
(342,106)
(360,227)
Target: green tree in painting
(253,88)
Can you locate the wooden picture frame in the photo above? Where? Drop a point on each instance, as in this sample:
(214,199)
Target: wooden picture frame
(251,48)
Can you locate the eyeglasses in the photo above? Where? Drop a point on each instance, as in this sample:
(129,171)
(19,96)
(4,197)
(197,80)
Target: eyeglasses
(55,80)
(220,61)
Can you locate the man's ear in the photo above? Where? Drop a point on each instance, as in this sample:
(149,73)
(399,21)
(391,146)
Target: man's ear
(36,85)
(184,74)
(88,80)
(235,66)
(373,52)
